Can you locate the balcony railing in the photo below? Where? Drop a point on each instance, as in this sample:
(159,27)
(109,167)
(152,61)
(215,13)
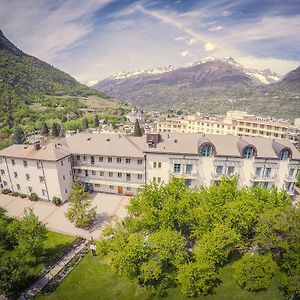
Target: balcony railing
(192,174)
(292,178)
(262,177)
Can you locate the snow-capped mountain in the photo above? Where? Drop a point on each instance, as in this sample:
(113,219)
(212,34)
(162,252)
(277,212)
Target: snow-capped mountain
(263,76)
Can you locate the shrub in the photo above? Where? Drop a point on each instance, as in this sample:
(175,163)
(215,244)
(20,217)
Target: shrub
(23,195)
(56,200)
(15,194)
(33,197)
(6,191)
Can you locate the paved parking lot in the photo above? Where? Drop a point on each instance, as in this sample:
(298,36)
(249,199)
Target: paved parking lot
(108,206)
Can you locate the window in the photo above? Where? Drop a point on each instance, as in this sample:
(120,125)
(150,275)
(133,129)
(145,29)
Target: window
(230,170)
(188,169)
(119,160)
(111,187)
(66,191)
(2,172)
(101,173)
(159,164)
(27,177)
(13,162)
(64,177)
(93,172)
(16,174)
(128,188)
(139,176)
(255,183)
(25,163)
(30,189)
(100,159)
(109,159)
(267,172)
(188,182)
(18,187)
(206,150)
(79,171)
(291,172)
(264,184)
(139,161)
(158,179)
(154,164)
(77,157)
(110,174)
(84,157)
(4,183)
(92,160)
(248,152)
(177,168)
(127,160)
(257,171)
(284,154)
(86,173)
(62,162)
(97,185)
(38,165)
(119,175)
(41,179)
(219,170)
(128,177)
(44,192)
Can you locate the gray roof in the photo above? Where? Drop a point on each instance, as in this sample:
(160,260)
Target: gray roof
(225,145)
(104,144)
(50,152)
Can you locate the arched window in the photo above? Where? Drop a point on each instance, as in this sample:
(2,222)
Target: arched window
(284,154)
(206,150)
(248,152)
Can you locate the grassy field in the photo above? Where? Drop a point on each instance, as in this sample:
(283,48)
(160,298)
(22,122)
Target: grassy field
(93,279)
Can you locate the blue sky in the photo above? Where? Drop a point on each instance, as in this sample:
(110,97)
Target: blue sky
(92,39)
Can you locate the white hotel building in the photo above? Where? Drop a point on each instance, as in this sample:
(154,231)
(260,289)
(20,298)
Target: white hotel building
(119,164)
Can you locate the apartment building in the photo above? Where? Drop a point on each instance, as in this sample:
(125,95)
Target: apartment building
(235,122)
(45,170)
(119,164)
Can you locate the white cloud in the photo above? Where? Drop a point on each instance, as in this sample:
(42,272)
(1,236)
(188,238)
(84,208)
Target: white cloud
(215,28)
(185,53)
(227,13)
(209,46)
(192,41)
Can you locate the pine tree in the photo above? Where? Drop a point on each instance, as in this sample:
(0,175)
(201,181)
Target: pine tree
(45,129)
(96,121)
(137,129)
(19,136)
(85,123)
(55,129)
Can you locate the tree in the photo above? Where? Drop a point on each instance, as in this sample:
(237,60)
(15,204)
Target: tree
(85,123)
(80,212)
(44,129)
(19,136)
(254,272)
(29,234)
(197,278)
(96,121)
(137,129)
(55,130)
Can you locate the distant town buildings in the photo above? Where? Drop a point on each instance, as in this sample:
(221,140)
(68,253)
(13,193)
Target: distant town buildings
(114,163)
(236,123)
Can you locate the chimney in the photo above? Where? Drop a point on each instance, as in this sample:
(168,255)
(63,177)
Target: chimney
(37,146)
(153,139)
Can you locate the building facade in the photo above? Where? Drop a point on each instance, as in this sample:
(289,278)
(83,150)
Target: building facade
(119,164)
(235,122)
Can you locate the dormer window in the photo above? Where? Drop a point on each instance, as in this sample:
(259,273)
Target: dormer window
(284,154)
(206,150)
(248,152)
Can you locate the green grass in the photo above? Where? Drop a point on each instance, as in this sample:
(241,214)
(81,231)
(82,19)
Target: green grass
(93,279)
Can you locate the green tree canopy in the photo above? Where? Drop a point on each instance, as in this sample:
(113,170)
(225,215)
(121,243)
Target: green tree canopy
(137,129)
(19,135)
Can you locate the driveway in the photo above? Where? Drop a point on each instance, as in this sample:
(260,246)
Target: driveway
(108,207)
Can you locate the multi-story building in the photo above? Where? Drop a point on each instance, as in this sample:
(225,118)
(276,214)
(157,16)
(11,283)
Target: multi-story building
(235,122)
(122,164)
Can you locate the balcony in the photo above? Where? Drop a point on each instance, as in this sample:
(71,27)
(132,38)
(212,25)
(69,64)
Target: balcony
(261,177)
(110,181)
(120,168)
(191,175)
(290,178)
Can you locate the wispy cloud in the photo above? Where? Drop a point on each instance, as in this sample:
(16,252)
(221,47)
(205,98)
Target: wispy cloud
(185,53)
(215,28)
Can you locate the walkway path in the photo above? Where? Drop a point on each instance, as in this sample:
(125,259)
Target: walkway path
(40,284)
(53,216)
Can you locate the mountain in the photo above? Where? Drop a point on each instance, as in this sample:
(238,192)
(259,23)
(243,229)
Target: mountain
(291,81)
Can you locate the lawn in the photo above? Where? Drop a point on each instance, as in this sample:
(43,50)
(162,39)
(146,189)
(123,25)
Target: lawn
(93,279)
